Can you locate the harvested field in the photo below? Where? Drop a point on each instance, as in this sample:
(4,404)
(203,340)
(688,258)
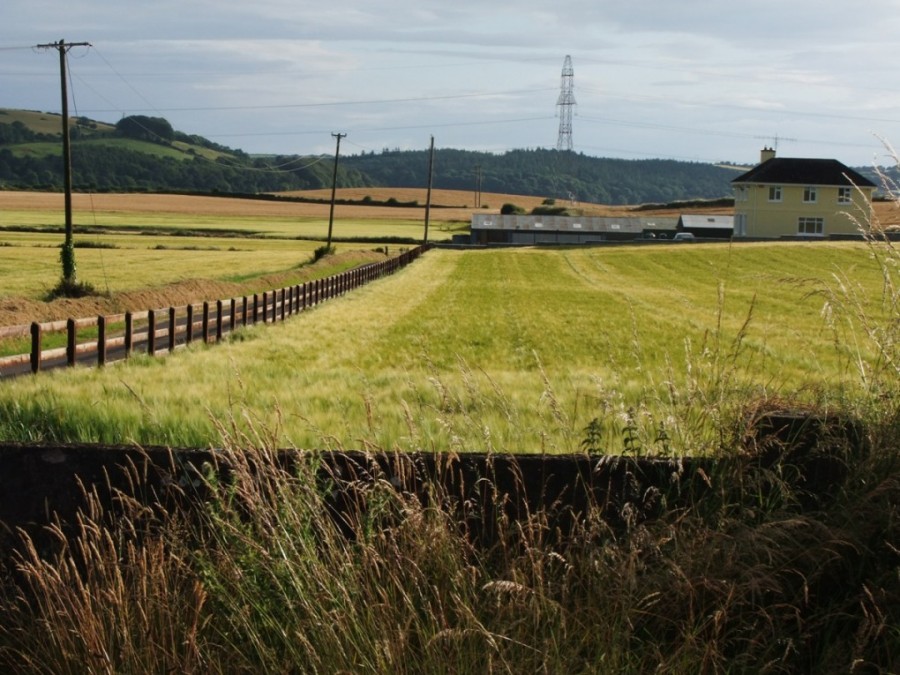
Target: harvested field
(449,204)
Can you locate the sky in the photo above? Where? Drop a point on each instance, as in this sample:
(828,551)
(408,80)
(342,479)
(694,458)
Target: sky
(695,80)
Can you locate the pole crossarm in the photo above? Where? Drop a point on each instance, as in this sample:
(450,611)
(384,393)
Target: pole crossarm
(62,44)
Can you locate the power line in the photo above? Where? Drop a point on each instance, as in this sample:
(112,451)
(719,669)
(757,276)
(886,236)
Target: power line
(322,104)
(709,132)
(633,98)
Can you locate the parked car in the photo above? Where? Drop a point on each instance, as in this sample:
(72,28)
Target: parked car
(684,236)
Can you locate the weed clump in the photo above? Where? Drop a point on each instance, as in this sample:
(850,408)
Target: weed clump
(322,251)
(72,289)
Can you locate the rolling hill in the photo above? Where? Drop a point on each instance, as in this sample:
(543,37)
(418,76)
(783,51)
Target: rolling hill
(145,154)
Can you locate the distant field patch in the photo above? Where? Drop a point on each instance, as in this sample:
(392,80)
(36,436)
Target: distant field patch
(173,212)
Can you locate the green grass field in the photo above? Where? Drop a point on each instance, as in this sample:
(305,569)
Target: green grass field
(29,262)
(756,566)
(513,350)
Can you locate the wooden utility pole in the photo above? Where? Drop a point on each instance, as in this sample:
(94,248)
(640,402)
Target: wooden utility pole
(337,153)
(428,194)
(478,186)
(68,251)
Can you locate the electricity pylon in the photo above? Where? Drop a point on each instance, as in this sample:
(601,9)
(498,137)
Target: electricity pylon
(566,103)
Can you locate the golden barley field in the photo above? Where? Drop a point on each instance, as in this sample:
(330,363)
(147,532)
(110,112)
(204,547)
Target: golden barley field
(448,205)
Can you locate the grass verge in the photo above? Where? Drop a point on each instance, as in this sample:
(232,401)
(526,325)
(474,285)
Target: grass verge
(749,578)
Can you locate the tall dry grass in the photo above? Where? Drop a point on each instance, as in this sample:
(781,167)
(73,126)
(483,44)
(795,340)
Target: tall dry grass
(270,576)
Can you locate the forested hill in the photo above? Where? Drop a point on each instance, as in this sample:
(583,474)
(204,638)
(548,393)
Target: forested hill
(146,153)
(550,173)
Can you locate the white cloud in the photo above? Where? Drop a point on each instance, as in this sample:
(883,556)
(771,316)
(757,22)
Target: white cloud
(256,75)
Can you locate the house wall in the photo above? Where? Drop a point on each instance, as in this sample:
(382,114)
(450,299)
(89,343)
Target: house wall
(761,217)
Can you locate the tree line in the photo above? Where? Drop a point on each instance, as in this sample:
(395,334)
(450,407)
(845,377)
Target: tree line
(122,158)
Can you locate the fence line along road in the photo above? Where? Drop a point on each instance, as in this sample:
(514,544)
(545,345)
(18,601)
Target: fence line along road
(157,331)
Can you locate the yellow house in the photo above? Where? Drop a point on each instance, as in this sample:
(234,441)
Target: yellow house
(789,197)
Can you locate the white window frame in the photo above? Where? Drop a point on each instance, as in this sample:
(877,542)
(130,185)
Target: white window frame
(814,223)
(845,195)
(810,194)
(775,194)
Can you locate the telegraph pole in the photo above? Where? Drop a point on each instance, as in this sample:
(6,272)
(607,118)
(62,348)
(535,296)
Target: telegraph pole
(68,251)
(337,153)
(428,195)
(478,186)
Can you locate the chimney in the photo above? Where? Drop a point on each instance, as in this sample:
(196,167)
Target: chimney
(766,154)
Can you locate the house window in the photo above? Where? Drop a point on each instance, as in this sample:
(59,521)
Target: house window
(775,193)
(810,225)
(809,195)
(845,195)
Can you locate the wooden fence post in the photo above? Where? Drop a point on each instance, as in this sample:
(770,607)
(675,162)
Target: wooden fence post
(282,304)
(173,329)
(218,320)
(71,338)
(101,340)
(129,333)
(35,347)
(151,332)
(265,306)
(205,322)
(244,311)
(231,317)
(255,307)
(189,326)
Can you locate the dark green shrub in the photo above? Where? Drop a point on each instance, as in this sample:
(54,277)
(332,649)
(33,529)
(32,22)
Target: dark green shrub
(322,251)
(511,209)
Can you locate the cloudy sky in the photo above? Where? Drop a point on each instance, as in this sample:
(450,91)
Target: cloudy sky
(699,80)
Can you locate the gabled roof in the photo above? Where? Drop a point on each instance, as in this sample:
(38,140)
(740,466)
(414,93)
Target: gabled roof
(795,171)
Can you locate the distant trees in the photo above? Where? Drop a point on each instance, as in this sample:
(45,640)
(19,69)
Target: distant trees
(542,172)
(143,128)
(511,210)
(17,132)
(102,161)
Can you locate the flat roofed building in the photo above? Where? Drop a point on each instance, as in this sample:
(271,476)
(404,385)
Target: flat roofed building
(707,226)
(525,230)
